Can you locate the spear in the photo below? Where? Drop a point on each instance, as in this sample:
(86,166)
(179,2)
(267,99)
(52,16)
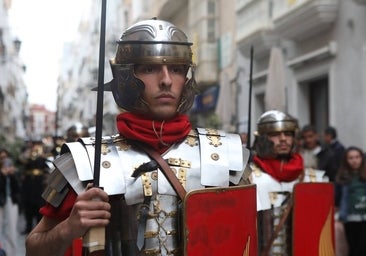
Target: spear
(94,240)
(100,94)
(250,96)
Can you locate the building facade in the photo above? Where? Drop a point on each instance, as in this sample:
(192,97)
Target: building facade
(321,44)
(13,92)
(41,122)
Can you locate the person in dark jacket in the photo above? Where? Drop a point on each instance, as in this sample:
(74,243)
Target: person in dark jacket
(316,155)
(35,172)
(9,203)
(331,140)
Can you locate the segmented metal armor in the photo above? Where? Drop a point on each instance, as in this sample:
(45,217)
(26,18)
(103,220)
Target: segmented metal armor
(224,161)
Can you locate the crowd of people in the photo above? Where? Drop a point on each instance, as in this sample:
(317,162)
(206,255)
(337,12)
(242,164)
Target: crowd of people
(344,166)
(23,179)
(158,157)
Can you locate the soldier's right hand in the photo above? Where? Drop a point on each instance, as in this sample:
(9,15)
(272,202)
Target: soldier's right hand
(91,209)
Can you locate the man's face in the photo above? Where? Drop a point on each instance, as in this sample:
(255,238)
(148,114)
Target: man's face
(163,88)
(310,139)
(327,138)
(282,142)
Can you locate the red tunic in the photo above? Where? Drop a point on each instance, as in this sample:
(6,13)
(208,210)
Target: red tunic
(61,213)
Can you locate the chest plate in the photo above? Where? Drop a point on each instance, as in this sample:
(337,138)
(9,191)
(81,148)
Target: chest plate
(206,157)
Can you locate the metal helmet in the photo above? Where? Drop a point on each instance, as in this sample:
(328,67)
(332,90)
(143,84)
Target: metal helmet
(149,42)
(76,131)
(276,121)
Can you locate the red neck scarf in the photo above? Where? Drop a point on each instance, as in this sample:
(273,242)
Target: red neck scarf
(282,170)
(158,134)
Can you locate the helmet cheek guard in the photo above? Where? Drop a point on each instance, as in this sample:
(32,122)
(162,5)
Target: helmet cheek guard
(263,147)
(188,94)
(126,88)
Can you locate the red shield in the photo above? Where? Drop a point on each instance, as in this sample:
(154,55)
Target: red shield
(221,221)
(313,219)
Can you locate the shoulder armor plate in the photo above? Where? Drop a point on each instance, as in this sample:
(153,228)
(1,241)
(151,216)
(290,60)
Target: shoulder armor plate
(56,189)
(222,156)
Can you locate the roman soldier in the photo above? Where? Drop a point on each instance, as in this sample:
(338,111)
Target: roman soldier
(148,167)
(284,222)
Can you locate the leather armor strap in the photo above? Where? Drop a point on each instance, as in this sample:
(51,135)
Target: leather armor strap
(165,168)
(278,228)
(144,212)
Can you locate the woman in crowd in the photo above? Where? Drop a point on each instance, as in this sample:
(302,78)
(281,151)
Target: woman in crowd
(351,177)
